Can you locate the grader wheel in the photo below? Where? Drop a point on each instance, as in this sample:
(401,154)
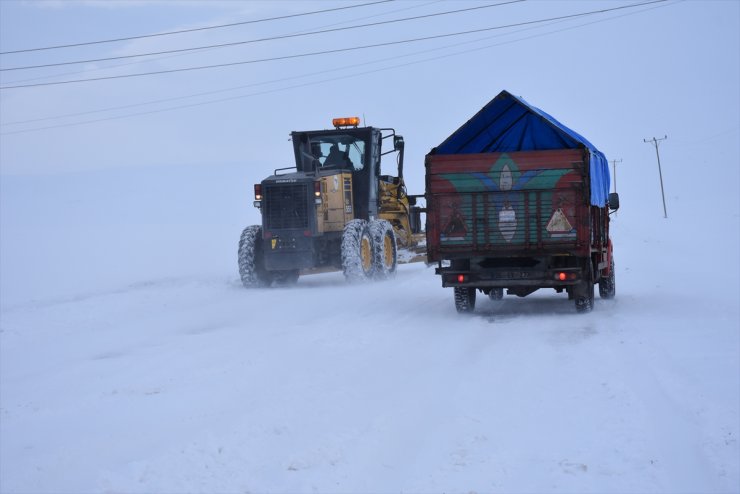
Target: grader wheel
(385,251)
(357,251)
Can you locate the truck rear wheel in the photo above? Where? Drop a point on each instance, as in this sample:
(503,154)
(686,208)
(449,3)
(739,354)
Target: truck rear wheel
(607,285)
(385,251)
(496,293)
(251,259)
(464,299)
(357,251)
(584,293)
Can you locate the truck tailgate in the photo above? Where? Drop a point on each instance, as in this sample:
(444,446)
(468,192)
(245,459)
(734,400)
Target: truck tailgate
(504,204)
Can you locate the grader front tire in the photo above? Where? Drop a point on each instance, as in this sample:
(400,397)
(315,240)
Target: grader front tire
(357,251)
(385,251)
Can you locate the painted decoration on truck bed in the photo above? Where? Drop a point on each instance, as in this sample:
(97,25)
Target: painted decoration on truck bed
(508,203)
(507,222)
(506,180)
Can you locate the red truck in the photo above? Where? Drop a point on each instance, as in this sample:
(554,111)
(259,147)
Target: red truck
(516,201)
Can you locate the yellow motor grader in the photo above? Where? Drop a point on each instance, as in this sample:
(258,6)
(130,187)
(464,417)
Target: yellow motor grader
(333,210)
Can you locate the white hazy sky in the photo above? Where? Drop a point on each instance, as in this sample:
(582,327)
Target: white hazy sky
(617,78)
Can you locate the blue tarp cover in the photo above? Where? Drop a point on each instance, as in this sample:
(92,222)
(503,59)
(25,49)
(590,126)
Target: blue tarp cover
(508,124)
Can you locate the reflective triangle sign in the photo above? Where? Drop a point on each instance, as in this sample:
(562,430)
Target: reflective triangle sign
(559,223)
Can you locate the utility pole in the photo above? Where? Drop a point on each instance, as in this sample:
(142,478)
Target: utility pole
(614,167)
(656,142)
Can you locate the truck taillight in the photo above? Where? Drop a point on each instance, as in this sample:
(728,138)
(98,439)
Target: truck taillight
(461,278)
(563,276)
(317,191)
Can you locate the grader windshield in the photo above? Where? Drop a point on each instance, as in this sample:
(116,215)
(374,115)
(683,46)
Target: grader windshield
(332,150)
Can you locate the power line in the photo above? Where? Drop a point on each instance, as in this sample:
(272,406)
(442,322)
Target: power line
(259,40)
(323,71)
(337,50)
(182,31)
(244,86)
(108,67)
(295,86)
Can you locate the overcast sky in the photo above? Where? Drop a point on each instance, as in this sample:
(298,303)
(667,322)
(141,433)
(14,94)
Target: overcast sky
(617,77)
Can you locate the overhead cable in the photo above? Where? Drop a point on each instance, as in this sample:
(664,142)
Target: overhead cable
(337,50)
(313,83)
(135,62)
(182,31)
(259,40)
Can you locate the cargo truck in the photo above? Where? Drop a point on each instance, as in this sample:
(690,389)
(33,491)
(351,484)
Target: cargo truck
(516,202)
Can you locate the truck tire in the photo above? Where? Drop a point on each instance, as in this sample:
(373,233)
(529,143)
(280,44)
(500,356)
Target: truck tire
(251,259)
(357,251)
(607,285)
(584,293)
(464,299)
(385,251)
(496,293)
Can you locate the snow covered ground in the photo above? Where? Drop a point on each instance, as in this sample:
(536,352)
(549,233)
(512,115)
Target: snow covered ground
(132,360)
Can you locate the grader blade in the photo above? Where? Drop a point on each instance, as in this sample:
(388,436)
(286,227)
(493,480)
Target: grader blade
(415,252)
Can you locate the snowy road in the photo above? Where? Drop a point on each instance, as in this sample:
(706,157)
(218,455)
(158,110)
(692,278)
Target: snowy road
(193,384)
(197,385)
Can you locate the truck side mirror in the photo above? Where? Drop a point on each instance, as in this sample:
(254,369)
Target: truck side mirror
(613,201)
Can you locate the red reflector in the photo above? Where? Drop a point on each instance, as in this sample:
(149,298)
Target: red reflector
(460,278)
(572,276)
(306,233)
(268,235)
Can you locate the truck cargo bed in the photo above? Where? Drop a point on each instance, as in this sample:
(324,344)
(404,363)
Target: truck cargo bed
(507,204)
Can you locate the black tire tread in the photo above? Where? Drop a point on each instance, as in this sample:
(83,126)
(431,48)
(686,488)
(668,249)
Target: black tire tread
(350,250)
(251,260)
(464,299)
(607,286)
(379,229)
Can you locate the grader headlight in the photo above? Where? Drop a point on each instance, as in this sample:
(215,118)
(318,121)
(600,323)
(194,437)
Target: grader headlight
(317,191)
(257,195)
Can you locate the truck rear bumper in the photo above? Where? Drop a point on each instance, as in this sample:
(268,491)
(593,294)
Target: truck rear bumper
(508,278)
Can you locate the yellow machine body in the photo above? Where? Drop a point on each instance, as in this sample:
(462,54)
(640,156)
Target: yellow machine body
(395,207)
(336,208)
